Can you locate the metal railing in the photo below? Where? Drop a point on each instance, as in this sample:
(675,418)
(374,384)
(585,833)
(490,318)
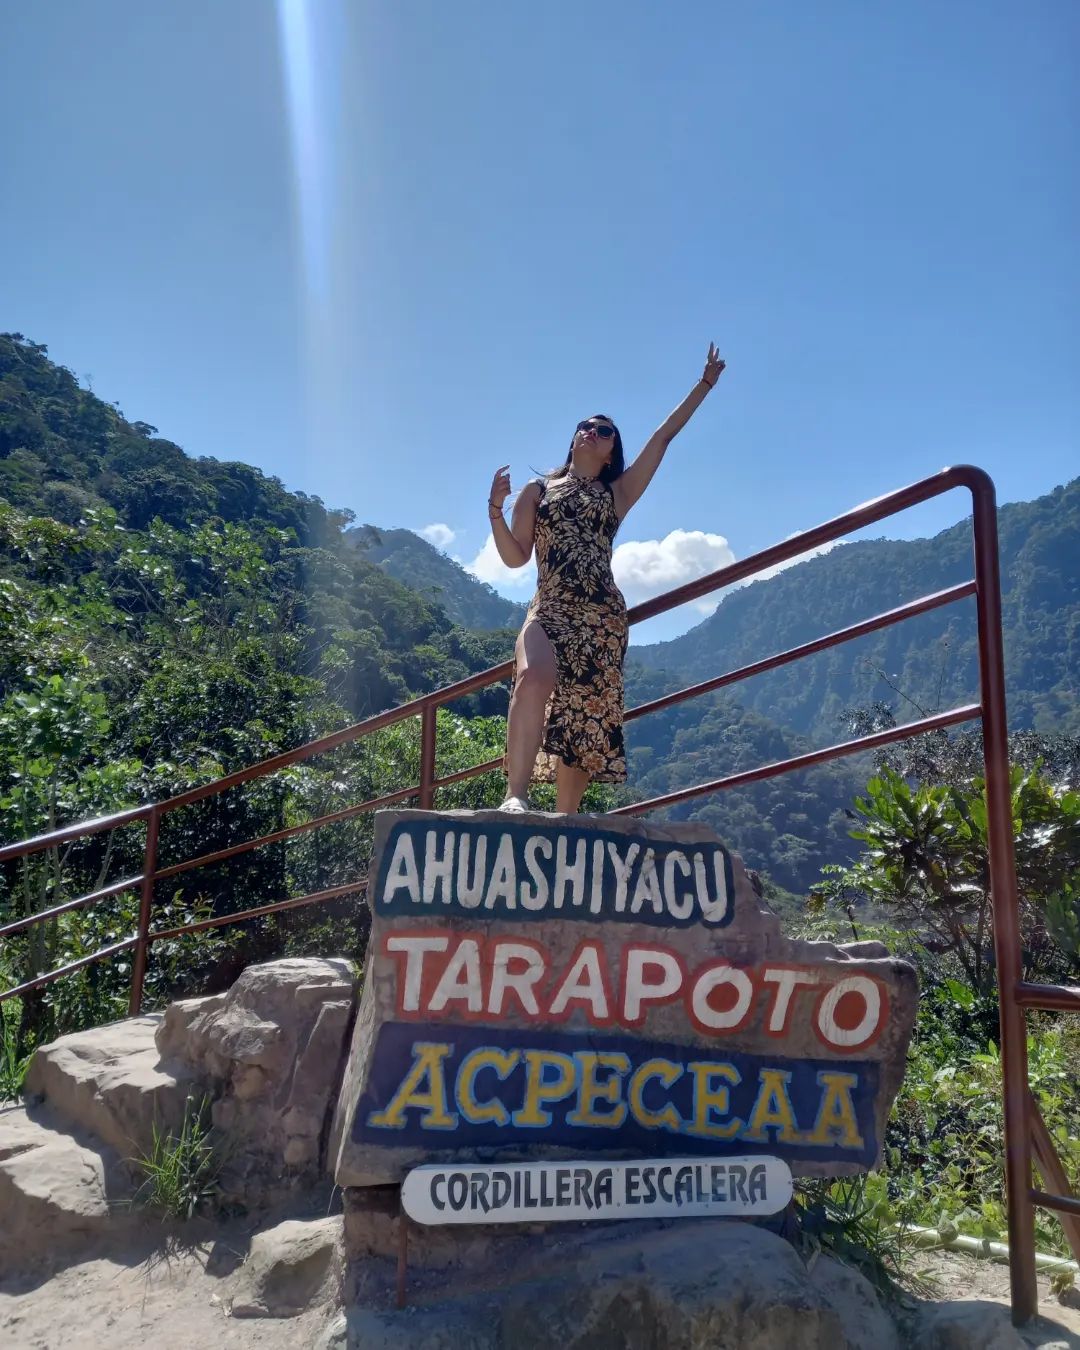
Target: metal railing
(1026,1136)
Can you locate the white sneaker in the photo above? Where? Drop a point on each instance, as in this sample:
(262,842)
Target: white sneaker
(515,804)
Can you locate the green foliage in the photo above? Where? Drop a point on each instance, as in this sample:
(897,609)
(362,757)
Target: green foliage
(945,1139)
(184,619)
(926,858)
(181,1170)
(787,827)
(854,1220)
(13,1064)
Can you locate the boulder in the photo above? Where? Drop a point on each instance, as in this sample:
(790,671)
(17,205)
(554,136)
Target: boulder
(272,1046)
(288,1268)
(110,1082)
(56,1192)
(969,1325)
(693,1284)
(515,958)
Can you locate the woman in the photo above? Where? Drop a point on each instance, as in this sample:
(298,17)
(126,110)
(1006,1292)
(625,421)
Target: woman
(567,701)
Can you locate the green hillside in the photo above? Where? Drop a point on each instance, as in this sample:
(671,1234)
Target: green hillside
(424,568)
(931,660)
(212,617)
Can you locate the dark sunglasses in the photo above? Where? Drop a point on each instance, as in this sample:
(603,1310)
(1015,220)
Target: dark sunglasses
(604,432)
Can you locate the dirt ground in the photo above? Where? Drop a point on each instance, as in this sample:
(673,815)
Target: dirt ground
(953,1277)
(179,1301)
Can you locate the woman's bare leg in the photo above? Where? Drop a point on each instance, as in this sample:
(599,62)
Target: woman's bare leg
(536,674)
(570,785)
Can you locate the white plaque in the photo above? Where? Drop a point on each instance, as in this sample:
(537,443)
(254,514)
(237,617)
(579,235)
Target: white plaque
(547,1192)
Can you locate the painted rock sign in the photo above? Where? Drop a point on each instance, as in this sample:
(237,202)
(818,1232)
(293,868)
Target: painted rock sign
(544,986)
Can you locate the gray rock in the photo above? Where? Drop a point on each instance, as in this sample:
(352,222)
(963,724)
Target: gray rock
(110,1081)
(55,1192)
(695,1284)
(446,1327)
(288,1268)
(968,1325)
(855,1301)
(272,1046)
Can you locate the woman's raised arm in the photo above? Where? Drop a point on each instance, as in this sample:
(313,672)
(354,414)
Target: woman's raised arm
(630,485)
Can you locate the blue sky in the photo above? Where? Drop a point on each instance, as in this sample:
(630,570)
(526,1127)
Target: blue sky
(379,249)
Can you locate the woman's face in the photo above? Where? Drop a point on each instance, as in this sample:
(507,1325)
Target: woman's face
(592,451)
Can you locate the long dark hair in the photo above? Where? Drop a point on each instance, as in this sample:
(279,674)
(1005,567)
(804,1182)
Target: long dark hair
(609,472)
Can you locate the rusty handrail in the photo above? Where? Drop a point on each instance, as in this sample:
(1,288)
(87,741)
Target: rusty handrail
(1023,1136)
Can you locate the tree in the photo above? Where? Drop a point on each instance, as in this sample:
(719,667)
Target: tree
(925,862)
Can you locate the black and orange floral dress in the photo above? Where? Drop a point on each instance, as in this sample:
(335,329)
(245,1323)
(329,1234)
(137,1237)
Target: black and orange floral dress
(583,613)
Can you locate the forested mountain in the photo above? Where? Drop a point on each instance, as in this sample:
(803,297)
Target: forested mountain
(192,616)
(426,569)
(215,529)
(930,660)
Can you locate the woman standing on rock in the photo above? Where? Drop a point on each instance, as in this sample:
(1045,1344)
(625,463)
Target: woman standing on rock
(567,700)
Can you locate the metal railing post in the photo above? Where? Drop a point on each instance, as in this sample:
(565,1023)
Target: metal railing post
(146,901)
(427,757)
(1007,938)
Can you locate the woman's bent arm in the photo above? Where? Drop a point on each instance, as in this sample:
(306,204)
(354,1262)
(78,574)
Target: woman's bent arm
(514,542)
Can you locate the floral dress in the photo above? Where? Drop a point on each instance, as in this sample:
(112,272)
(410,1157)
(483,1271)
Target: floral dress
(583,613)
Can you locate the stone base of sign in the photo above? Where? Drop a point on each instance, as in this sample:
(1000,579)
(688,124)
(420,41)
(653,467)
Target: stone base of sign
(372,1242)
(695,1282)
(758,1042)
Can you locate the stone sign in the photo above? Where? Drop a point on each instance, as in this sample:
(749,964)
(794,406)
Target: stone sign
(543,986)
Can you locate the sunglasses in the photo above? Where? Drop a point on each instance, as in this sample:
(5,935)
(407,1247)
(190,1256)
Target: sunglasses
(604,432)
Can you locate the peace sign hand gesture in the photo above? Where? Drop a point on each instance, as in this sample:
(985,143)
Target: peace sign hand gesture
(714,367)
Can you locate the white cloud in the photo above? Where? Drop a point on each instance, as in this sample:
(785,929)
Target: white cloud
(644,568)
(442,536)
(647,567)
(489,567)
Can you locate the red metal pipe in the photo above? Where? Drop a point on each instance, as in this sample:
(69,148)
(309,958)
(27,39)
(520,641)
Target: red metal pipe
(334,818)
(146,900)
(1006,910)
(1049,997)
(853,747)
(891,616)
(315,898)
(18,990)
(427,757)
(40,842)
(1066,1204)
(1052,1173)
(963,475)
(115,889)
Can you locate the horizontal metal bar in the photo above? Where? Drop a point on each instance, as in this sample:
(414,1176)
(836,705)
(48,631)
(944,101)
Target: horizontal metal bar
(1048,997)
(921,606)
(961,475)
(71,966)
(345,736)
(316,898)
(205,859)
(94,896)
(489,766)
(853,747)
(1066,1204)
(41,842)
